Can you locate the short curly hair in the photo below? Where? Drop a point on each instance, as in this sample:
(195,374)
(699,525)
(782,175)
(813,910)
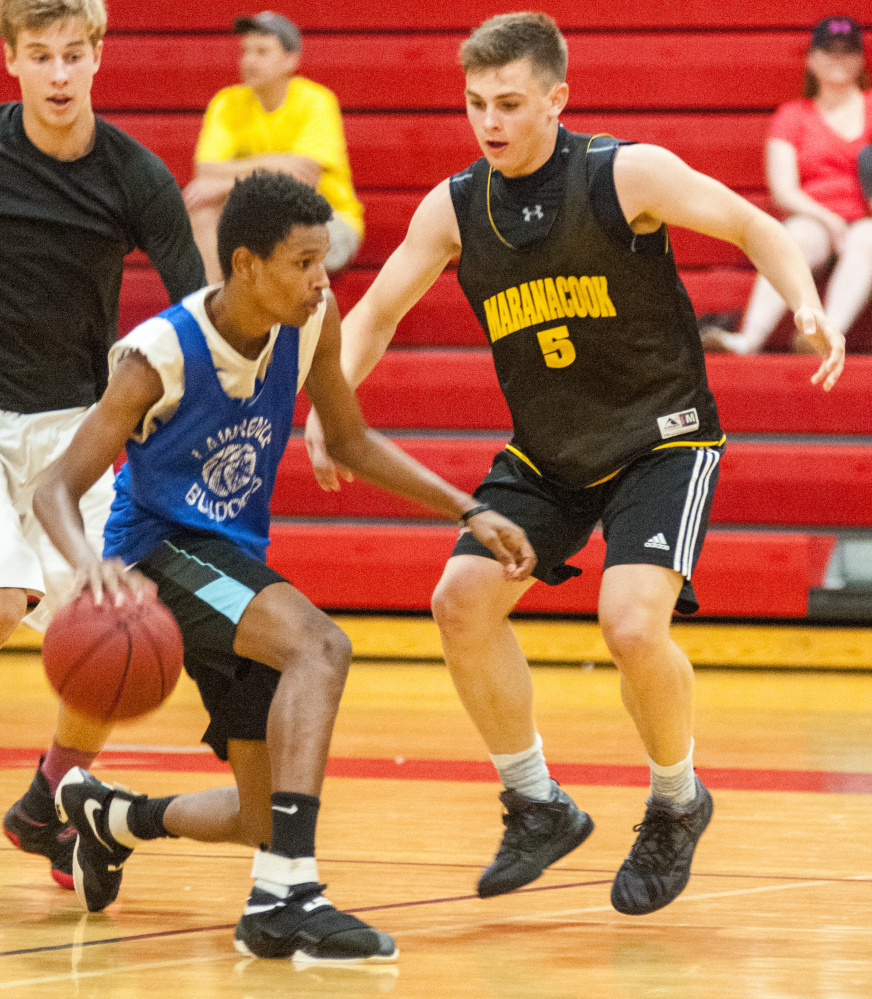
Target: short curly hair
(261,210)
(34,15)
(508,37)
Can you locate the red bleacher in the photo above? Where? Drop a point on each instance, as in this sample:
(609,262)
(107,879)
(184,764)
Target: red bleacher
(700,79)
(396,15)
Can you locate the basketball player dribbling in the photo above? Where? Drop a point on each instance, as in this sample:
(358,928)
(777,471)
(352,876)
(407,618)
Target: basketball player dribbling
(566,261)
(202,397)
(76,195)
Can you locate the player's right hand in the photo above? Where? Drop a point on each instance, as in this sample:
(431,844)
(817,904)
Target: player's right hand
(507,541)
(827,341)
(113,579)
(327,471)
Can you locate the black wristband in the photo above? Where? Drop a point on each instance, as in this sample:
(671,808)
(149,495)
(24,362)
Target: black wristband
(464,517)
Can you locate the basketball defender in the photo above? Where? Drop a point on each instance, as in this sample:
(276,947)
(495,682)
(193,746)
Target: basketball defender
(203,399)
(566,260)
(77,195)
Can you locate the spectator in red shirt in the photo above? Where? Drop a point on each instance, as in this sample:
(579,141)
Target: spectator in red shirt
(811,168)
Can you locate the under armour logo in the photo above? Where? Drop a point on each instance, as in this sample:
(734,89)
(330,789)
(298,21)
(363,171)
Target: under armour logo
(532,213)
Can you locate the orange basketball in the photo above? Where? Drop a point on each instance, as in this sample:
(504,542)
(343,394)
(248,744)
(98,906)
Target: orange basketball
(113,662)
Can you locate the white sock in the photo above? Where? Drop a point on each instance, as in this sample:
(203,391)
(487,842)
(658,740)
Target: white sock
(525,772)
(675,784)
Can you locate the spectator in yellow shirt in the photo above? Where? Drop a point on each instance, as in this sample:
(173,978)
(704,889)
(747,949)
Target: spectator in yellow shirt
(274,120)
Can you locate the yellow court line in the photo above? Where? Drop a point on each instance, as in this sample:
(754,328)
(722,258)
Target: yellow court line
(775,646)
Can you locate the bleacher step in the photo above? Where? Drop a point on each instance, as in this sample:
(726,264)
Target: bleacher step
(396,567)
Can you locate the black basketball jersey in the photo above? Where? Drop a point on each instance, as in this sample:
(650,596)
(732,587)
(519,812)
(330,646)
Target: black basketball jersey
(596,346)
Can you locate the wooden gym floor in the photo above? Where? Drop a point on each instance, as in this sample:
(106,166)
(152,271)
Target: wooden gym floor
(779,905)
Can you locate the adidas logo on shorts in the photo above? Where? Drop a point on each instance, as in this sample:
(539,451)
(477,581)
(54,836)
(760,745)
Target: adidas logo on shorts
(658,541)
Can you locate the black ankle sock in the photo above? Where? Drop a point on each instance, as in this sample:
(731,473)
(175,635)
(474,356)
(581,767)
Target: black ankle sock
(294,817)
(145,818)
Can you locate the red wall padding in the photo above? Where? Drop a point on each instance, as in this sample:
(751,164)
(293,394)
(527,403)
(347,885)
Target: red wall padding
(371,72)
(820,485)
(417,151)
(343,15)
(766,394)
(397,567)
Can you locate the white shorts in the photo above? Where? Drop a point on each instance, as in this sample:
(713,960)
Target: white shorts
(29,443)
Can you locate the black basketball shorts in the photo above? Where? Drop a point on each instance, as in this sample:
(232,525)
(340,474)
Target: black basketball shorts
(654,512)
(207,583)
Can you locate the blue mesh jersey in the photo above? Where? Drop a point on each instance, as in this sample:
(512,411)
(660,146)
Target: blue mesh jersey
(212,466)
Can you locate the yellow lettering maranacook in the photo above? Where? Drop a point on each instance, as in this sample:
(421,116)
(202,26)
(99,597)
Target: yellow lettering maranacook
(565,297)
(540,299)
(544,300)
(505,317)
(492,314)
(581,309)
(602,293)
(554,299)
(531,315)
(590,298)
(514,300)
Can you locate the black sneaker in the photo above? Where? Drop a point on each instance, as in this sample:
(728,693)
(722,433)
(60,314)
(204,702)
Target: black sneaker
(657,869)
(306,928)
(538,833)
(32,825)
(98,858)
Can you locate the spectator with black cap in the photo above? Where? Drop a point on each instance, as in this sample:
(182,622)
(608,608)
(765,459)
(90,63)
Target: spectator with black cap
(813,173)
(275,120)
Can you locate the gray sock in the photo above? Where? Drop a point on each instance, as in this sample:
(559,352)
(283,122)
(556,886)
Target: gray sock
(675,784)
(525,772)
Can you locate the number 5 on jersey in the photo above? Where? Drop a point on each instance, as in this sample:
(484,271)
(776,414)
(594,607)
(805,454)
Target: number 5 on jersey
(557,349)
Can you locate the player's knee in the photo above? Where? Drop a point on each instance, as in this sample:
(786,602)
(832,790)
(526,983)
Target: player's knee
(632,635)
(454,606)
(325,650)
(13,607)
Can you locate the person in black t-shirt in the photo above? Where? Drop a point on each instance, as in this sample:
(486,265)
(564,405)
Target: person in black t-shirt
(76,195)
(566,261)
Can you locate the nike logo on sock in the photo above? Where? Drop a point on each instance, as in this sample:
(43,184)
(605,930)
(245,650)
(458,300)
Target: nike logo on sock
(288,811)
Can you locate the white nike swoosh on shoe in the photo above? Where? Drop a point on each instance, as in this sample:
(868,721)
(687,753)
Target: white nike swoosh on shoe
(288,811)
(92,806)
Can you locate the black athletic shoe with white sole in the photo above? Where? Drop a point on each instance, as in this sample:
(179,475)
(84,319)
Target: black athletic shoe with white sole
(98,858)
(32,825)
(305,927)
(657,868)
(538,833)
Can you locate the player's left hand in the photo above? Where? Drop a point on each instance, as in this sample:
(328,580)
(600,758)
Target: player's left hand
(327,471)
(507,541)
(827,341)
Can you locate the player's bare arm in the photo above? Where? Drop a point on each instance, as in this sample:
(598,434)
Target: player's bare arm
(655,186)
(432,240)
(377,460)
(133,389)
